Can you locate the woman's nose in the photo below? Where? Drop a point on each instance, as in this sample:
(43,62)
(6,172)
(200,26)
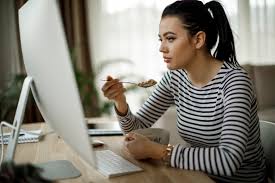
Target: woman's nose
(163,48)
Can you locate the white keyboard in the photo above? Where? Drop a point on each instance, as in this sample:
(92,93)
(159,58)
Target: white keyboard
(111,164)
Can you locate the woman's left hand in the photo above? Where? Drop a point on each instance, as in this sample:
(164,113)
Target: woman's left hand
(141,147)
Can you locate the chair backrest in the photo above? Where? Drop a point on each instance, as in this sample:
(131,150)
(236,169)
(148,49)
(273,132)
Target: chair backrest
(268,141)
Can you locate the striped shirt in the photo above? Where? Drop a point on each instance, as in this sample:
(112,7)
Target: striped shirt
(219,120)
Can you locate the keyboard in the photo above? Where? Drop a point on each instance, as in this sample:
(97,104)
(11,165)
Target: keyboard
(112,165)
(104,132)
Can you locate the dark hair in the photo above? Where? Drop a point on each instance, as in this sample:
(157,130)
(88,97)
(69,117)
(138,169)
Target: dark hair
(209,18)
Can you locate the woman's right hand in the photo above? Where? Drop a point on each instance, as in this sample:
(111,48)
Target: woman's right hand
(114,90)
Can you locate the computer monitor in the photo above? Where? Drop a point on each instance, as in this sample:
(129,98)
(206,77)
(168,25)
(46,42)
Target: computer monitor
(47,61)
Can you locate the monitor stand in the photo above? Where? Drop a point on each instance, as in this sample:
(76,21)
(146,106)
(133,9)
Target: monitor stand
(52,170)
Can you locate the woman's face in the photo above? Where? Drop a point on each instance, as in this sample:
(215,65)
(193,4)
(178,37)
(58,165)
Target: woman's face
(176,44)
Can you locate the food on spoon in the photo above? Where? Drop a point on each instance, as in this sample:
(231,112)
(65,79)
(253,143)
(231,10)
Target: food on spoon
(147,84)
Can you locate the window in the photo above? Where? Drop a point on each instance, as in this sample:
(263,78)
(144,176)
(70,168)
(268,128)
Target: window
(129,30)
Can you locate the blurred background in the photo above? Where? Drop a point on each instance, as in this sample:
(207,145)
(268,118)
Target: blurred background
(120,38)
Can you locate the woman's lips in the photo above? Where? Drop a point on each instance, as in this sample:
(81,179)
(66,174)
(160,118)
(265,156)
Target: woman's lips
(167,60)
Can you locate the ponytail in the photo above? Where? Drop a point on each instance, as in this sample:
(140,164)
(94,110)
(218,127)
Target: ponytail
(226,47)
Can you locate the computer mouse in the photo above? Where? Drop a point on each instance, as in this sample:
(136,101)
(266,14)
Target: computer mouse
(96,143)
(158,135)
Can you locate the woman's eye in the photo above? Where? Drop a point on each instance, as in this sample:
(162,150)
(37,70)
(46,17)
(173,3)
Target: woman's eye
(170,39)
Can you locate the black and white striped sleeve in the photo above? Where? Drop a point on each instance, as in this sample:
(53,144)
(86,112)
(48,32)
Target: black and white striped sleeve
(159,101)
(227,157)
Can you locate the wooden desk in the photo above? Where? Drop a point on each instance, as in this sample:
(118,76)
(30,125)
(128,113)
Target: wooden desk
(51,147)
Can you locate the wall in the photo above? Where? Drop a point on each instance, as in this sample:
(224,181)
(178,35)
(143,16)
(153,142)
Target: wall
(9,54)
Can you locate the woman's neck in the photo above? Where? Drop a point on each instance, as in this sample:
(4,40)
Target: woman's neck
(203,69)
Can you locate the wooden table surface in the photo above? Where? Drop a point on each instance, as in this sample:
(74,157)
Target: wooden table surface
(52,147)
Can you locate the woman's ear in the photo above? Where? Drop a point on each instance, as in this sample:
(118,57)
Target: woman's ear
(199,39)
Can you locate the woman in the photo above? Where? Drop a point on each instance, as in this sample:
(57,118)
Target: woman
(215,103)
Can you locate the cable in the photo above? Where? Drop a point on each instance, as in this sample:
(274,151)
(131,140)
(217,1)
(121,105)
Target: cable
(3,123)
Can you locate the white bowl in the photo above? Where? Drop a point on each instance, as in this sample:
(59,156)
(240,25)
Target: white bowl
(158,135)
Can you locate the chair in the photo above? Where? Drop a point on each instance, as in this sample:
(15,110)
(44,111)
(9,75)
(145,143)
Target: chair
(268,141)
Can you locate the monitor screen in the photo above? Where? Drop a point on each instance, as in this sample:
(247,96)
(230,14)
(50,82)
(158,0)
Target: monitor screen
(47,60)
